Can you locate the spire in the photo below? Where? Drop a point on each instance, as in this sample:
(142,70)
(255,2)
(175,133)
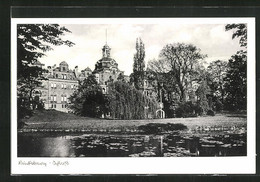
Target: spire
(106,49)
(106,36)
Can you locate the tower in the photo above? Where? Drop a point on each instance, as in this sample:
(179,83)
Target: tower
(106,49)
(106,69)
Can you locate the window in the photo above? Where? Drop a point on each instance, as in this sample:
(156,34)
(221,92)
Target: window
(54,98)
(65,86)
(51,97)
(71,86)
(63,98)
(61,85)
(53,85)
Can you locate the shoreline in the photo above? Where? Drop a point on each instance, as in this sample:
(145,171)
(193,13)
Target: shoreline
(58,122)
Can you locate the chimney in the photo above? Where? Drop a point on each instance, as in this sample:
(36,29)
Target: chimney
(76,71)
(50,70)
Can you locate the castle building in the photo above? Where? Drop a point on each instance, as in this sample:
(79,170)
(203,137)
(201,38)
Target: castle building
(61,81)
(106,69)
(59,85)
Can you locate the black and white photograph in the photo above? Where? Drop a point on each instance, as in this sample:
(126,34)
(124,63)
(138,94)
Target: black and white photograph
(138,92)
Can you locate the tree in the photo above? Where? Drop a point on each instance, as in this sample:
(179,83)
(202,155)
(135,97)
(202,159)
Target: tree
(139,64)
(202,92)
(126,102)
(122,101)
(88,99)
(236,80)
(217,72)
(179,63)
(240,32)
(121,78)
(33,40)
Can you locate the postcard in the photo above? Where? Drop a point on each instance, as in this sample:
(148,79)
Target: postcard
(133,96)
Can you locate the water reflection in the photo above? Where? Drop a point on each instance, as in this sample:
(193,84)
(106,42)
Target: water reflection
(170,145)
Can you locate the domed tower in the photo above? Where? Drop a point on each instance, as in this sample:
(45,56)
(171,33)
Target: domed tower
(106,69)
(106,51)
(106,63)
(64,66)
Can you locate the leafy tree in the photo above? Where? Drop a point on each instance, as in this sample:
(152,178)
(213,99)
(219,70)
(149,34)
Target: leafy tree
(139,64)
(126,102)
(236,80)
(217,72)
(32,41)
(121,78)
(240,32)
(122,101)
(88,99)
(179,63)
(202,102)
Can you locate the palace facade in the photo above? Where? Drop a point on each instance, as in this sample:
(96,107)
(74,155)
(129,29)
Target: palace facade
(61,81)
(59,85)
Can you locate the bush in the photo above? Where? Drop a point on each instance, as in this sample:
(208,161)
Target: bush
(211,113)
(155,128)
(187,109)
(23,108)
(23,112)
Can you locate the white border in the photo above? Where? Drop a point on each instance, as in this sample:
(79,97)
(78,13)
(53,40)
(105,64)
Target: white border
(155,165)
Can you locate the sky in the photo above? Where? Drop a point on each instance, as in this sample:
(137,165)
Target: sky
(89,39)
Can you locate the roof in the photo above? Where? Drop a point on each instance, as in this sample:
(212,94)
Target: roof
(88,69)
(63,63)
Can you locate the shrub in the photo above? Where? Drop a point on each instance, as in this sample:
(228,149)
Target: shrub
(187,109)
(210,113)
(155,128)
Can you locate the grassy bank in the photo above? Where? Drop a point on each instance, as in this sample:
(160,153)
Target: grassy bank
(55,120)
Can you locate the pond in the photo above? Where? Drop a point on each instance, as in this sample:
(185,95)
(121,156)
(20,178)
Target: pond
(175,144)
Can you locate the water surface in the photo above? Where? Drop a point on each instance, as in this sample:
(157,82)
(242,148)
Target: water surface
(165,145)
